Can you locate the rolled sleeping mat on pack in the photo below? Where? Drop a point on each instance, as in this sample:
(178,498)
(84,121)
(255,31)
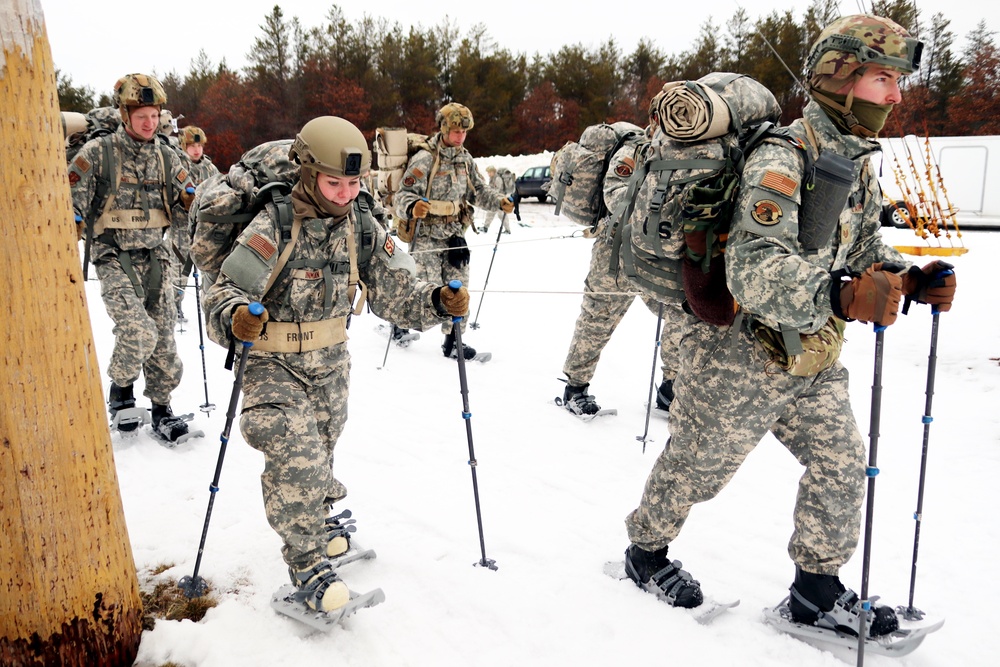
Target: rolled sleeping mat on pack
(73,123)
(691,111)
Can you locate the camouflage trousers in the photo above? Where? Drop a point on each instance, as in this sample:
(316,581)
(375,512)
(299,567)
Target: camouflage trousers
(180,242)
(431,256)
(143,328)
(296,424)
(600,314)
(725,402)
(490,215)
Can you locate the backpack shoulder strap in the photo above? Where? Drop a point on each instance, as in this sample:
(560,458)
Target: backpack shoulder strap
(289,225)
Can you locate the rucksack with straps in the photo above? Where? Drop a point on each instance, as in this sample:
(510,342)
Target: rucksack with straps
(226,203)
(393,148)
(670,230)
(507,178)
(578,170)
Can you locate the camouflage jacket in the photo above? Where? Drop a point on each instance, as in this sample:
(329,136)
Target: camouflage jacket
(199,172)
(457,179)
(393,294)
(139,162)
(768,272)
(621,166)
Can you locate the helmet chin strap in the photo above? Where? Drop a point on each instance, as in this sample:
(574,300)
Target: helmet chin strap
(850,120)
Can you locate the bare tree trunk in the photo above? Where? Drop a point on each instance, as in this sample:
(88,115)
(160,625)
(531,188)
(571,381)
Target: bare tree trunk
(68,588)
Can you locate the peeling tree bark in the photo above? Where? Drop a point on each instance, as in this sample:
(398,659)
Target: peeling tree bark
(68,588)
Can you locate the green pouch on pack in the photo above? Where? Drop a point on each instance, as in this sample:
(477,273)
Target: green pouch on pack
(820,350)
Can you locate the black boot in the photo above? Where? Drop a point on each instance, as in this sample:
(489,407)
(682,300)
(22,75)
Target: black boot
(121,398)
(166,424)
(448,348)
(822,600)
(652,571)
(665,395)
(578,401)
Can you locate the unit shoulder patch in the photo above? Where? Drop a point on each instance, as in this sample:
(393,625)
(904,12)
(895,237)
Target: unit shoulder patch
(389,246)
(74,178)
(766,212)
(625,167)
(182,175)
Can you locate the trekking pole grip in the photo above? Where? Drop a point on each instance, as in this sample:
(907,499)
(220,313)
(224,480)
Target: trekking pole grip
(455,285)
(255,308)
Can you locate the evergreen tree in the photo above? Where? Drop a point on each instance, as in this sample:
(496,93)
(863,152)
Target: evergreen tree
(73,98)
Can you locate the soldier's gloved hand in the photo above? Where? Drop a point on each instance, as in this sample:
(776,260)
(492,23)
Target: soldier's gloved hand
(873,296)
(456,302)
(934,284)
(79,225)
(421,208)
(246,325)
(507,205)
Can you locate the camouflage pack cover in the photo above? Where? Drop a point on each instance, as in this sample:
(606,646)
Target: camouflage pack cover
(578,170)
(100,121)
(393,148)
(683,193)
(225,203)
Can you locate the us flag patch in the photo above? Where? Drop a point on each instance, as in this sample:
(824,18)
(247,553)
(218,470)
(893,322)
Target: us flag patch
(81,163)
(389,246)
(262,246)
(779,183)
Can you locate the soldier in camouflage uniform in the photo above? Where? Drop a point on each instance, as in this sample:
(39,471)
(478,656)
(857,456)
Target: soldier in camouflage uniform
(436,193)
(605,298)
(496,182)
(200,168)
(296,381)
(127,225)
(793,270)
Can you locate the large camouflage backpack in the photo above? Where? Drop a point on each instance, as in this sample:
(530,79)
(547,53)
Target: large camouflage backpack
(393,147)
(81,128)
(224,205)
(508,178)
(578,170)
(671,228)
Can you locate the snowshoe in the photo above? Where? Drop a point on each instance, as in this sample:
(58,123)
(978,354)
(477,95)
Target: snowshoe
(125,417)
(339,529)
(582,404)
(450,350)
(172,429)
(401,337)
(905,639)
(822,600)
(319,599)
(705,613)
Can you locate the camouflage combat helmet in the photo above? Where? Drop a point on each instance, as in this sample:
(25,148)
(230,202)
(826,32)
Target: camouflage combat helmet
(137,90)
(454,116)
(332,146)
(192,135)
(853,41)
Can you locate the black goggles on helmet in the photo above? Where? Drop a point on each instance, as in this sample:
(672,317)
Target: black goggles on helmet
(866,54)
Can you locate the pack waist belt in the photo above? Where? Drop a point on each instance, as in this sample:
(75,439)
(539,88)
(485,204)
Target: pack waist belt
(296,337)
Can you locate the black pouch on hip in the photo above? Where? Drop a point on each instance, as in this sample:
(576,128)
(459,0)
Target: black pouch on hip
(825,193)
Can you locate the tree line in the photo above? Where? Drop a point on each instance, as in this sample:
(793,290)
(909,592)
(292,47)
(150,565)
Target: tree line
(376,73)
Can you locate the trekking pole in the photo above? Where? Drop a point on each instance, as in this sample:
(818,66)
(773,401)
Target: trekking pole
(207,406)
(910,612)
(475,323)
(456,328)
(652,380)
(871,471)
(195,586)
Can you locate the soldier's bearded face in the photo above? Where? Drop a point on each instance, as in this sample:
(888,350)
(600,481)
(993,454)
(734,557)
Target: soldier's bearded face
(144,122)
(339,190)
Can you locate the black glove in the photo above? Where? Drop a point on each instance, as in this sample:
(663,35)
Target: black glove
(458,252)
(934,284)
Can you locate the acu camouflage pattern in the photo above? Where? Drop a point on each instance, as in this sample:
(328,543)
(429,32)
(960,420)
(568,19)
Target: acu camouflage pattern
(607,295)
(144,339)
(654,242)
(457,179)
(180,227)
(728,394)
(295,405)
(883,36)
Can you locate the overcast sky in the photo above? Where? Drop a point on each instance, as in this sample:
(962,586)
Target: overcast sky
(96,41)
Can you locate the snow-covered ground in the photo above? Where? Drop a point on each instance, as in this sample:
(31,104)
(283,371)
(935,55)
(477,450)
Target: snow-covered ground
(554,491)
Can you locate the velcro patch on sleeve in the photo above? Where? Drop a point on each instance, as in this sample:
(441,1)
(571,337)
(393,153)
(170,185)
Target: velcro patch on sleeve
(74,178)
(779,183)
(182,175)
(82,164)
(389,246)
(409,181)
(626,167)
(262,246)
(416,172)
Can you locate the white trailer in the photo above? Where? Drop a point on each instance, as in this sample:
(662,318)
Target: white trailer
(970,173)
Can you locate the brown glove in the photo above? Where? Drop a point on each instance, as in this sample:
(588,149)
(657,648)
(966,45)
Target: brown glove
(507,205)
(421,208)
(186,196)
(934,284)
(872,297)
(456,302)
(246,325)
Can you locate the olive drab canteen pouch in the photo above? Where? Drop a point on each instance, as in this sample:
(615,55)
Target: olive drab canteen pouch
(578,170)
(226,203)
(820,350)
(393,147)
(671,228)
(825,191)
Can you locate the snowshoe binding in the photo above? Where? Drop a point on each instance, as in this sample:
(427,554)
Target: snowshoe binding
(582,404)
(172,429)
(125,417)
(665,395)
(450,350)
(654,573)
(319,598)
